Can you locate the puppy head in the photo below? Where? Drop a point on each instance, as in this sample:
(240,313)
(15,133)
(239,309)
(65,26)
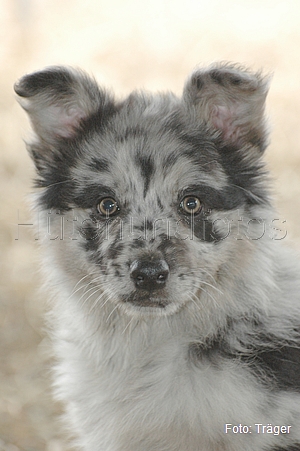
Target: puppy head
(152,184)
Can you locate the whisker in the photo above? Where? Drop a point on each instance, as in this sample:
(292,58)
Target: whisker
(97,301)
(211,296)
(208,273)
(109,296)
(113,310)
(60,183)
(80,280)
(78,289)
(96,289)
(129,322)
(191,298)
(198,279)
(98,286)
(211,286)
(250,194)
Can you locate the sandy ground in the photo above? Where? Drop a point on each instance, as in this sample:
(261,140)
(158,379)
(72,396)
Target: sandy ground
(126,45)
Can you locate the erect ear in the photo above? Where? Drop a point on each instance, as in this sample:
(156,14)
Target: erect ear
(230,100)
(57,100)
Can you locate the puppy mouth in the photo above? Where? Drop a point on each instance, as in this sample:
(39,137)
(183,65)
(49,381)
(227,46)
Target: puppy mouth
(146,300)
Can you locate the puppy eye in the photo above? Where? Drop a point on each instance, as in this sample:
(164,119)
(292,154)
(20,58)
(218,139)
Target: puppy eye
(191,205)
(108,206)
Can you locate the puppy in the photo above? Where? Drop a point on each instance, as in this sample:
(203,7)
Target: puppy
(175,314)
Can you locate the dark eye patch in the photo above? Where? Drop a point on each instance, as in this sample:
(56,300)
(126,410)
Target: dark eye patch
(90,195)
(202,227)
(228,198)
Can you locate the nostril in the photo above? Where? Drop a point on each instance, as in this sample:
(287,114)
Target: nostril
(139,277)
(163,276)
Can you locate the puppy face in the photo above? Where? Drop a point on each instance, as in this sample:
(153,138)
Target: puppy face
(153,186)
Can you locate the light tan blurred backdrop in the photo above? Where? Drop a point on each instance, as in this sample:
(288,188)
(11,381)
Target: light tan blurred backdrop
(125,44)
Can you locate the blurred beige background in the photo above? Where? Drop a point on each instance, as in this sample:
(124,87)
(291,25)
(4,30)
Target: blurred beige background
(125,44)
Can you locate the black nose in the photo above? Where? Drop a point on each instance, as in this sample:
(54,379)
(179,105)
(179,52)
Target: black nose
(149,275)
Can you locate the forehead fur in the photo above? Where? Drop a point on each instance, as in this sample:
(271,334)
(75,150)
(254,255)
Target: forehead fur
(148,145)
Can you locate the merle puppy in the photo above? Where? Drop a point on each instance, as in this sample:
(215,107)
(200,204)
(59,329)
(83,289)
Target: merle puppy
(175,316)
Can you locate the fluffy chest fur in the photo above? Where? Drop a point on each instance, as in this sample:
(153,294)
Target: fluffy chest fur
(162,388)
(175,316)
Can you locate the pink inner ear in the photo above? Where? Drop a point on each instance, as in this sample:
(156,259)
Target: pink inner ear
(223,119)
(70,120)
